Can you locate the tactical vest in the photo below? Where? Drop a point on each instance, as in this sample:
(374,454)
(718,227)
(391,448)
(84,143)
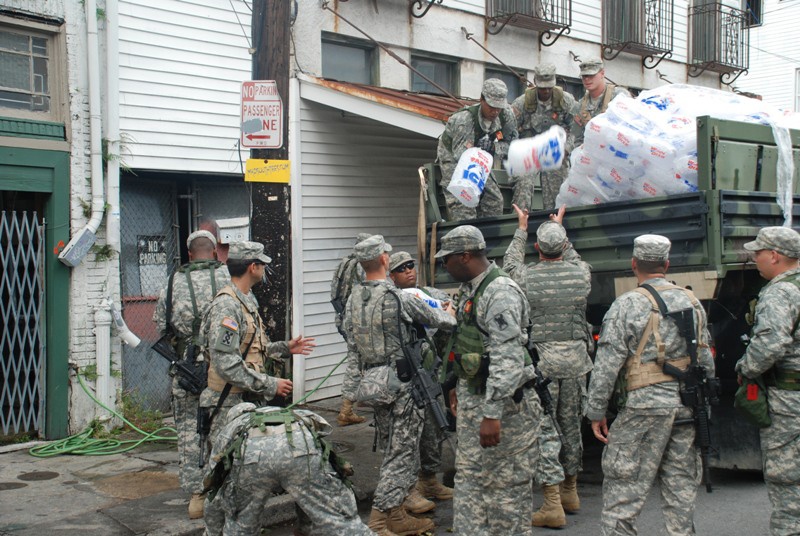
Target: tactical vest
(532,100)
(557,293)
(186,270)
(584,114)
(254,337)
(474,112)
(367,310)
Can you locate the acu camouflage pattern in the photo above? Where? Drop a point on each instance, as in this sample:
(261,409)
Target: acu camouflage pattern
(184,404)
(589,108)
(555,460)
(775,344)
(493,493)
(643,441)
(533,120)
(459,135)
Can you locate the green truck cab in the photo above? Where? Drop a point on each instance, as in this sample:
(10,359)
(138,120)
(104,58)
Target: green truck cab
(736,197)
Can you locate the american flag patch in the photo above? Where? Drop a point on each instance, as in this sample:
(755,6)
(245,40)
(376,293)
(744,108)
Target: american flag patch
(230,323)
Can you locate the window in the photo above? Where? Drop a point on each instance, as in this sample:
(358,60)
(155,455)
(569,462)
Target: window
(753,12)
(443,72)
(573,86)
(515,86)
(348,62)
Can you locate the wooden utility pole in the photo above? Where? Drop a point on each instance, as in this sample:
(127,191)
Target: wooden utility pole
(271,219)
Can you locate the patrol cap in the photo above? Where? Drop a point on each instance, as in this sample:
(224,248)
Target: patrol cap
(370,248)
(200,234)
(494,92)
(401,257)
(591,66)
(544,75)
(361,237)
(551,237)
(247,251)
(784,240)
(651,247)
(462,238)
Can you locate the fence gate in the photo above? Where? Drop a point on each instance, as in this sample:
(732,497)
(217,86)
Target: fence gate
(22,370)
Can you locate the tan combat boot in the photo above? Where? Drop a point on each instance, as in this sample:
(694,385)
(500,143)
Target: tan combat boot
(428,486)
(347,416)
(402,524)
(551,514)
(196,506)
(377,523)
(417,504)
(569,494)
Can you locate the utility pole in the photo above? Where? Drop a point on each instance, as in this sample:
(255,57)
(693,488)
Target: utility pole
(271,219)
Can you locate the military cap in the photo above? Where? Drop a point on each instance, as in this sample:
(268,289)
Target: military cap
(360,237)
(544,75)
(401,257)
(591,66)
(494,92)
(200,234)
(551,237)
(247,251)
(371,248)
(462,238)
(651,247)
(784,240)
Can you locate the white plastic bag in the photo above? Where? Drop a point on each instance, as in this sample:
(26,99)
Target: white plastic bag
(542,152)
(470,176)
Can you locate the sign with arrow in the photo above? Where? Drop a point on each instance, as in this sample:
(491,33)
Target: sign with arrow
(262,115)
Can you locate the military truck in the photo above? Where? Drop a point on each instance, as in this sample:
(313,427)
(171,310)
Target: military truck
(736,196)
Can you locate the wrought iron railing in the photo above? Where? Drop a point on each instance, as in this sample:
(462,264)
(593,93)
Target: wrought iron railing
(642,27)
(551,18)
(720,41)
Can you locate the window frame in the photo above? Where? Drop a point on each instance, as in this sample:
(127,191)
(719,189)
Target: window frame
(489,70)
(753,20)
(345,41)
(453,63)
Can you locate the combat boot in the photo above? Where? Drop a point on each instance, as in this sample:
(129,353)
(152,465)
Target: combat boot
(428,486)
(569,494)
(402,524)
(551,514)
(377,523)
(417,504)
(196,506)
(347,416)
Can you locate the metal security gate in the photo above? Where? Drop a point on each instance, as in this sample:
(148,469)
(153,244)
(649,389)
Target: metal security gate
(22,346)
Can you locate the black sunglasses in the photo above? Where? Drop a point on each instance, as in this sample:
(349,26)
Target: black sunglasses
(404,267)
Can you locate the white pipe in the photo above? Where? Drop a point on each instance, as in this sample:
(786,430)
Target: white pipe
(102,343)
(298,311)
(112,125)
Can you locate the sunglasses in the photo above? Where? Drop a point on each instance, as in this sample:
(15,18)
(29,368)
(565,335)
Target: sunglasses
(404,267)
(444,259)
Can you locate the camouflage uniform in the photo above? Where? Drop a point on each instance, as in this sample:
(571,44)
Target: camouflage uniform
(535,117)
(557,292)
(269,461)
(589,108)
(775,345)
(643,442)
(465,129)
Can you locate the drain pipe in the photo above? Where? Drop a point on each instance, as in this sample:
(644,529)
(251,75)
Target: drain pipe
(102,344)
(112,126)
(81,243)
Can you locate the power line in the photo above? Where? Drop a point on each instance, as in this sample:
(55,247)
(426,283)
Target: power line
(781,56)
(780,9)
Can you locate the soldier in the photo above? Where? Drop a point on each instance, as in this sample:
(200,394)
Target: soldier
(375,312)
(347,274)
(557,288)
(775,346)
(498,420)
(271,449)
(537,110)
(190,291)
(489,125)
(597,96)
(403,272)
(646,440)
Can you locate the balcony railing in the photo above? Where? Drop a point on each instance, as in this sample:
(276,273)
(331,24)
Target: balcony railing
(641,27)
(720,41)
(551,18)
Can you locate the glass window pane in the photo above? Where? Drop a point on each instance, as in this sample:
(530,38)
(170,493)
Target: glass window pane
(16,71)
(40,84)
(19,101)
(346,63)
(514,85)
(441,72)
(40,103)
(14,41)
(39,46)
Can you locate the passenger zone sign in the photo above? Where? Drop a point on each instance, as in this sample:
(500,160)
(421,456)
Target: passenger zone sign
(262,115)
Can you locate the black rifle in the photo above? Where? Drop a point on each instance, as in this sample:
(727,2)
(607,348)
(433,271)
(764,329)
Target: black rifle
(192,374)
(425,390)
(203,429)
(540,385)
(338,306)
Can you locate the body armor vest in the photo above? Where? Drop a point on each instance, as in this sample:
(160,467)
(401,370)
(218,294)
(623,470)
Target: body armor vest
(557,293)
(371,343)
(608,94)
(532,100)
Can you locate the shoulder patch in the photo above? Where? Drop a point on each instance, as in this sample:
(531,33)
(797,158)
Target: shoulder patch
(230,323)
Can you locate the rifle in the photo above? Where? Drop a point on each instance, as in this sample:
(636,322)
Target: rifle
(192,374)
(540,385)
(338,307)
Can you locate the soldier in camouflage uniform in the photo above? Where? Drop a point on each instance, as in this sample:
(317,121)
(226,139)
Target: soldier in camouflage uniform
(775,346)
(346,275)
(488,125)
(537,110)
(645,442)
(597,96)
(239,352)
(269,450)
(403,273)
(372,320)
(557,288)
(498,420)
(194,285)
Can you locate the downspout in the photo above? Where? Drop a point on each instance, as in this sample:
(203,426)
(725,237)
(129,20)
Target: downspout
(112,126)
(83,240)
(295,174)
(102,343)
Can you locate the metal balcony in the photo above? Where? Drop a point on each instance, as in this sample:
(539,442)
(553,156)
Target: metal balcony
(551,18)
(720,41)
(641,27)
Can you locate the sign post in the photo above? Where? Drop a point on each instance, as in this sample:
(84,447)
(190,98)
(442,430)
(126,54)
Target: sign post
(262,115)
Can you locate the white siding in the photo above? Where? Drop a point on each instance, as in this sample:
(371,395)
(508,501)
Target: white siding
(358,175)
(181,66)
